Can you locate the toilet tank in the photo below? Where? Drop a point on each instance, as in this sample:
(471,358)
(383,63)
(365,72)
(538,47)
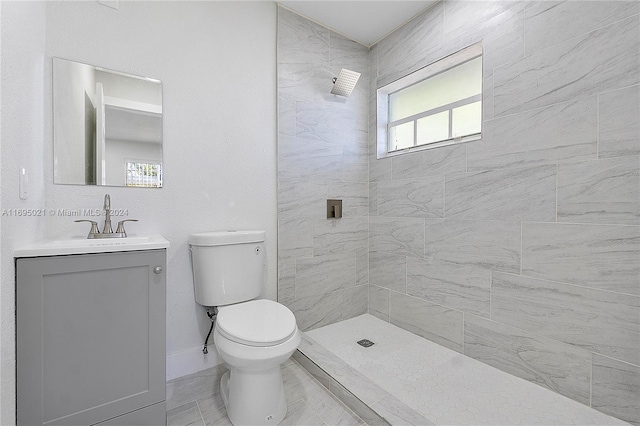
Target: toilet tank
(228,266)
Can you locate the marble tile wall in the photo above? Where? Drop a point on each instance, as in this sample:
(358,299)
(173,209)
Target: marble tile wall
(322,154)
(522,250)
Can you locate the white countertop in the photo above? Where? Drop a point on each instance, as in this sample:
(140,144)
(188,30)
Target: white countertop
(84,246)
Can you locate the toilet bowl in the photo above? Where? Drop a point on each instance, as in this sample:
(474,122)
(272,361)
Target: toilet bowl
(254,338)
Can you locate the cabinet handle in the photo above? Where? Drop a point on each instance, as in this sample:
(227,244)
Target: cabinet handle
(157,269)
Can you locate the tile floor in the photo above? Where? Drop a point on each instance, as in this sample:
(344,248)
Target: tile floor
(445,386)
(195,400)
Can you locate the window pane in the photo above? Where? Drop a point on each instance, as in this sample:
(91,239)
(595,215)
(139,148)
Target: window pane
(143,174)
(433,128)
(457,83)
(401,136)
(467,119)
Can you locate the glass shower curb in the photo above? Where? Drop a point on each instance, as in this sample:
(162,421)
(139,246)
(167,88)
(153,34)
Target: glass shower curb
(369,401)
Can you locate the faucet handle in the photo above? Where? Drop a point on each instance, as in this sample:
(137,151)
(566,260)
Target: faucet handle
(120,228)
(94,227)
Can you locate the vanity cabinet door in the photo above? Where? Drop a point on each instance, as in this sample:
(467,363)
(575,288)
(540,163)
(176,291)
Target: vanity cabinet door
(90,336)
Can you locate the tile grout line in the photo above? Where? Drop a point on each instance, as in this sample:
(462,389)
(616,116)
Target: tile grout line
(200,412)
(557,185)
(598,126)
(591,383)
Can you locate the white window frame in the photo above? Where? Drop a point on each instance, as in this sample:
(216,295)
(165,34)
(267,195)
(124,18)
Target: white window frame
(157,183)
(437,67)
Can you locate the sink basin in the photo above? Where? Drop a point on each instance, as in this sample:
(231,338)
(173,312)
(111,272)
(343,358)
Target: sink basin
(98,242)
(84,245)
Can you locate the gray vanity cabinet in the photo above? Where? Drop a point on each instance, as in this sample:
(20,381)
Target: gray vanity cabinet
(91,339)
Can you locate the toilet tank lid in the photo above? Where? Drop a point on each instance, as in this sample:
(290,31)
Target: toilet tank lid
(218,238)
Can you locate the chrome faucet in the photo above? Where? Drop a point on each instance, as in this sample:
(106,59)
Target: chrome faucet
(107,220)
(107,231)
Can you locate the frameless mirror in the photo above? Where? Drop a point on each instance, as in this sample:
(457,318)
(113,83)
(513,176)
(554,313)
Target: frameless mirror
(107,127)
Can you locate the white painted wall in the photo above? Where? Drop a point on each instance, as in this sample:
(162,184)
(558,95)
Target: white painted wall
(217,62)
(22,29)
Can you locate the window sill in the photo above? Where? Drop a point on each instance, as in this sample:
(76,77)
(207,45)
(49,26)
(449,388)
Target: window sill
(434,145)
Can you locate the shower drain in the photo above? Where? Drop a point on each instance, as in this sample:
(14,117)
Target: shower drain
(365,343)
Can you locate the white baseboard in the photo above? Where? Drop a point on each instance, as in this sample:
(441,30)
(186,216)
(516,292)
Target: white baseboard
(191,361)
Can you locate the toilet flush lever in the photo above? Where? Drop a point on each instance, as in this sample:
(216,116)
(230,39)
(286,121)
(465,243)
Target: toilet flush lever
(157,270)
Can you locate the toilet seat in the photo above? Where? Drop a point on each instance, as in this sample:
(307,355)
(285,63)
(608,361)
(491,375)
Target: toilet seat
(256,323)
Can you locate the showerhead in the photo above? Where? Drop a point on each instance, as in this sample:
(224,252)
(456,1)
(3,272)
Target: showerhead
(344,83)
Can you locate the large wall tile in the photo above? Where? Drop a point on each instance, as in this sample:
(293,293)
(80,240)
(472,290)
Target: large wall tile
(379,169)
(606,257)
(323,283)
(307,160)
(602,60)
(487,244)
(373,199)
(509,194)
(487,98)
(303,81)
(429,162)
(351,173)
(388,270)
(330,122)
(323,152)
(301,40)
(618,124)
(616,387)
(362,266)
(330,264)
(286,282)
(568,313)
(286,115)
(318,310)
(356,148)
(356,301)
(552,22)
(301,199)
(354,196)
(379,302)
(412,46)
(437,323)
(411,197)
(349,54)
(563,368)
(462,287)
(295,238)
(464,16)
(603,191)
(501,31)
(401,236)
(339,235)
(565,132)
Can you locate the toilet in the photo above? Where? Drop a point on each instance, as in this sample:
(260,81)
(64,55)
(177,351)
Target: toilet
(253,336)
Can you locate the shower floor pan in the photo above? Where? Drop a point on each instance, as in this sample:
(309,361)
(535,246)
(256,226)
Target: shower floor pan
(405,379)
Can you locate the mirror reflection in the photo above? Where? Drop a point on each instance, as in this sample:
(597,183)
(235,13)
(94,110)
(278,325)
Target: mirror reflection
(107,127)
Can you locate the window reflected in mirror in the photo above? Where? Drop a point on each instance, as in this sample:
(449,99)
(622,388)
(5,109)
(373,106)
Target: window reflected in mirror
(107,127)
